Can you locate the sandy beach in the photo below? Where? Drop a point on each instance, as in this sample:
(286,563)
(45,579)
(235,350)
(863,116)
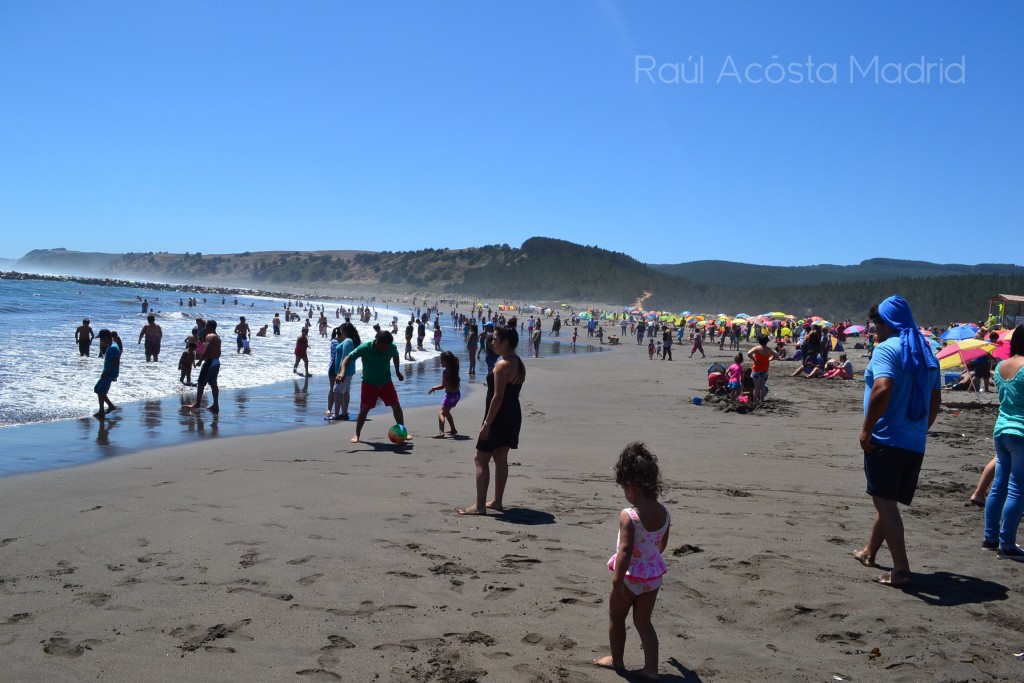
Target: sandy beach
(297,555)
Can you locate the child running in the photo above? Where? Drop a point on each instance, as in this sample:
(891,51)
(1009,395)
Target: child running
(637,563)
(450,382)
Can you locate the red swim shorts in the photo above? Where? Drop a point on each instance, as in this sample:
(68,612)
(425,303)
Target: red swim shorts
(369,395)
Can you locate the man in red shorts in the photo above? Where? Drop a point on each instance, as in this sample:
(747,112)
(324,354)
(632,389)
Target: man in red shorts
(377,384)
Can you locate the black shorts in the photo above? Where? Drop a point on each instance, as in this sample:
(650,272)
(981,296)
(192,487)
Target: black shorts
(892,473)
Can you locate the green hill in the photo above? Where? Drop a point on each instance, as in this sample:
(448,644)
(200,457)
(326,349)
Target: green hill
(545,269)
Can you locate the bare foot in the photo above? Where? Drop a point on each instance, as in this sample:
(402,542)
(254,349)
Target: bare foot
(497,507)
(111,409)
(354,439)
(864,558)
(453,432)
(896,578)
(977,503)
(471,510)
(193,406)
(215,408)
(439,435)
(609,663)
(100,415)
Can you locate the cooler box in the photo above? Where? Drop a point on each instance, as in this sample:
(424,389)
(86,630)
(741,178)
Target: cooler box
(951,378)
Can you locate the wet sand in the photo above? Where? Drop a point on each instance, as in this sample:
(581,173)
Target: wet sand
(160,423)
(299,555)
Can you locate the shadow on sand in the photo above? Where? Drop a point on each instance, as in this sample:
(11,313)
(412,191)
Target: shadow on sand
(946,589)
(525,516)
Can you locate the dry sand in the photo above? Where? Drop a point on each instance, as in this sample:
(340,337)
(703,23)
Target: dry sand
(299,555)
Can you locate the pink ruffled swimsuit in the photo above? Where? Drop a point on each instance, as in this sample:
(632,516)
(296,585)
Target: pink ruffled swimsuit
(646,566)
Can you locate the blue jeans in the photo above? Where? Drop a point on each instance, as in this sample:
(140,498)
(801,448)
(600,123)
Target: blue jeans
(1005,500)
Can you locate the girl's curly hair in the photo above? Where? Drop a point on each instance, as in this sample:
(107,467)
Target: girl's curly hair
(638,466)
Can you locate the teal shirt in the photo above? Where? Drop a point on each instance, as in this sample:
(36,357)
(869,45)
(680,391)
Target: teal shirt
(340,351)
(1011,404)
(376,365)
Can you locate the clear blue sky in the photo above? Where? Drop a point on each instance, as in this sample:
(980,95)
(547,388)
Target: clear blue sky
(231,126)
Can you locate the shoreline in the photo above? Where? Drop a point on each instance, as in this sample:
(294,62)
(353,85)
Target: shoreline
(281,406)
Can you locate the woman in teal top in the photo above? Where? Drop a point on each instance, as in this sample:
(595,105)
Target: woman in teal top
(1006,498)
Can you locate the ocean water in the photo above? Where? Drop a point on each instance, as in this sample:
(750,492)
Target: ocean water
(47,401)
(46,379)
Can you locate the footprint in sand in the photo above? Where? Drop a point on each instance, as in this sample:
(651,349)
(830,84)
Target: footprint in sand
(286,597)
(686,549)
(97,507)
(94,599)
(319,674)
(405,575)
(115,567)
(250,558)
(498,592)
(302,560)
(472,637)
(7,541)
(310,580)
(559,643)
(19,618)
(197,636)
(63,568)
(451,568)
(62,647)
(330,658)
(514,561)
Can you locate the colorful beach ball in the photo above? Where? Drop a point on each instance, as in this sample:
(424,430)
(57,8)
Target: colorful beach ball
(398,434)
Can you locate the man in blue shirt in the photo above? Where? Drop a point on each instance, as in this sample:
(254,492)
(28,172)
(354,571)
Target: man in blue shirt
(111,368)
(901,401)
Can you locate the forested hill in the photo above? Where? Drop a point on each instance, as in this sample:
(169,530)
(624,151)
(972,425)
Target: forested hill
(750,275)
(544,269)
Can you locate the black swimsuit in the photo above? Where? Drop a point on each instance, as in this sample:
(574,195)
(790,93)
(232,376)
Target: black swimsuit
(504,431)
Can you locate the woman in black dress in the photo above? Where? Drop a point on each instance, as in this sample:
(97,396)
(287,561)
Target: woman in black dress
(500,429)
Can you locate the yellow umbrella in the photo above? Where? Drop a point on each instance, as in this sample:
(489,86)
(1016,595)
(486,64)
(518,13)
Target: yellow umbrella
(958,353)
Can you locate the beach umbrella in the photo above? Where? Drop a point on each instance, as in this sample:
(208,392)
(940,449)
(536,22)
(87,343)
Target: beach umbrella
(1004,335)
(786,332)
(959,353)
(959,333)
(686,313)
(1002,350)
(778,315)
(854,329)
(927,333)
(741,315)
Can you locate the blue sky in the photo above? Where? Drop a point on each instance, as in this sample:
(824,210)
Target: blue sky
(230,126)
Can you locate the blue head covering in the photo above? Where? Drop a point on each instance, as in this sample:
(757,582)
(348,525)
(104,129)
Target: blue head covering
(915,354)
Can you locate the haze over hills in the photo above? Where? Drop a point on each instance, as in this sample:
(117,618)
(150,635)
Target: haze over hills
(544,269)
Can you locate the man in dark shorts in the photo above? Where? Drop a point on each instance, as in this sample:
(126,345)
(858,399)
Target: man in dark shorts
(211,368)
(84,336)
(377,354)
(241,333)
(153,334)
(901,401)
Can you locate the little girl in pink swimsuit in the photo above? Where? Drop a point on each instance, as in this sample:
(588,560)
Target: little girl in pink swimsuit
(637,564)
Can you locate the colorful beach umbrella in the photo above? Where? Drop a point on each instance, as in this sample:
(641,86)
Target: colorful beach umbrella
(854,329)
(959,353)
(959,333)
